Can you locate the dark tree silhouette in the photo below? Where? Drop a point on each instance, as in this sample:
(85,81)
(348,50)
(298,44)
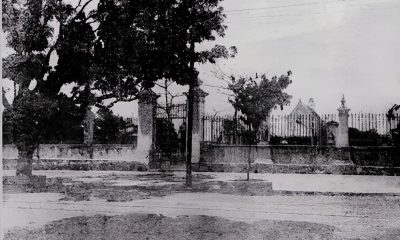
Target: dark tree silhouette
(38,105)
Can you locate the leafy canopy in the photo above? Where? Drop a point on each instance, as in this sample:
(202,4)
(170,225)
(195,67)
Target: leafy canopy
(142,41)
(256,97)
(134,44)
(30,30)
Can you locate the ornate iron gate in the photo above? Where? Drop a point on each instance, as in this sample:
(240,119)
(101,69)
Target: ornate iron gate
(170,135)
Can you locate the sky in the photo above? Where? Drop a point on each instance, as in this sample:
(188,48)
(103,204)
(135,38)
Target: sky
(333,47)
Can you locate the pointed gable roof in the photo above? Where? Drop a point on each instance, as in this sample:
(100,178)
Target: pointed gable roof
(301,108)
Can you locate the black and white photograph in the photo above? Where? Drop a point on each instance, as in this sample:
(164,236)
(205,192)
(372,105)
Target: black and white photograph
(200,119)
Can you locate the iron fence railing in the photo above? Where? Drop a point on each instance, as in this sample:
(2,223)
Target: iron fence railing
(314,127)
(175,111)
(377,121)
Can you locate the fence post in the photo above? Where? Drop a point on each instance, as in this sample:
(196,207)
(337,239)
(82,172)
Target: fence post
(342,137)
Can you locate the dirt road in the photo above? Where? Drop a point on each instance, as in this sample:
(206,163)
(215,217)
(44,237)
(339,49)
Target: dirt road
(365,217)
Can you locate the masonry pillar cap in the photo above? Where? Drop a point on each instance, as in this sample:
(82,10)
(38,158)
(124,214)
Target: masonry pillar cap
(198,93)
(148,96)
(343,108)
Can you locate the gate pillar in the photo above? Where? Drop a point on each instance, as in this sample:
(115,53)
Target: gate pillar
(146,125)
(88,127)
(198,113)
(342,136)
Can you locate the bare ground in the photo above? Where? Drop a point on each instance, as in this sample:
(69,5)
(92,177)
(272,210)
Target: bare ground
(147,186)
(151,226)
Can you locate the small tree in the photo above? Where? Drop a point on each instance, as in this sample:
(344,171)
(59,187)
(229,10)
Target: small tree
(165,131)
(392,116)
(255,98)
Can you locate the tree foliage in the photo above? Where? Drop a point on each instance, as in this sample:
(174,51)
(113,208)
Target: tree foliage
(392,117)
(66,122)
(256,97)
(113,52)
(39,111)
(167,137)
(140,42)
(367,138)
(31,116)
(109,128)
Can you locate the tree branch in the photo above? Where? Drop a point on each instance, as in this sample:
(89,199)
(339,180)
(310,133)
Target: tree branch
(79,4)
(161,86)
(81,10)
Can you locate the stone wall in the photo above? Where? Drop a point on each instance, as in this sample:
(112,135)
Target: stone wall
(80,157)
(301,159)
(234,158)
(313,155)
(234,154)
(121,152)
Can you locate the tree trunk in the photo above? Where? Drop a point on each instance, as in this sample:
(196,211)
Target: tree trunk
(88,130)
(248,162)
(250,140)
(24,162)
(168,109)
(192,84)
(189,138)
(234,126)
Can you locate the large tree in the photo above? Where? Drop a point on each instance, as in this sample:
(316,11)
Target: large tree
(140,42)
(201,21)
(154,40)
(29,26)
(134,44)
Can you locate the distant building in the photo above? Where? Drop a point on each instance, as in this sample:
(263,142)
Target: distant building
(303,120)
(303,109)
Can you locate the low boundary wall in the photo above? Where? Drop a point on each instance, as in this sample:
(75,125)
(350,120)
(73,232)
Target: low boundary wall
(80,157)
(301,159)
(220,158)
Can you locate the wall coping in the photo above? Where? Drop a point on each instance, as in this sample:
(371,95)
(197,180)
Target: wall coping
(74,160)
(78,145)
(305,146)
